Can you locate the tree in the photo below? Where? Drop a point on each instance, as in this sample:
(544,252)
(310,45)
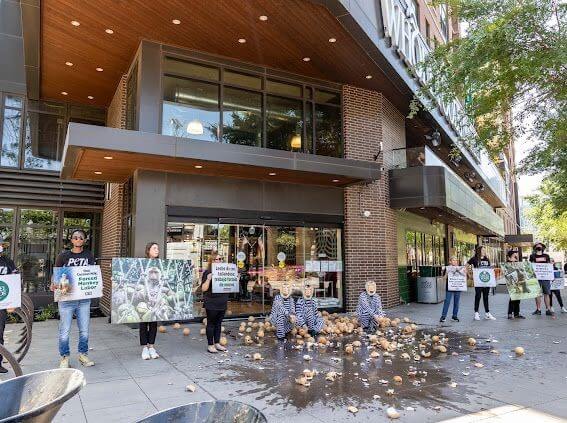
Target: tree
(512,59)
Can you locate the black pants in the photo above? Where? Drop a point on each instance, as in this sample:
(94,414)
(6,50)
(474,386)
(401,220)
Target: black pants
(557,293)
(514,307)
(148,333)
(485,292)
(3,318)
(214,325)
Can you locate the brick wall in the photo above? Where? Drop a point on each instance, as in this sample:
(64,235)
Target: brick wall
(370,242)
(112,213)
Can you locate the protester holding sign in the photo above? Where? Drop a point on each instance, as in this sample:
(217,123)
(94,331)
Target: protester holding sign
(215,306)
(148,330)
(77,256)
(480,260)
(513,305)
(538,256)
(7,267)
(456,282)
(557,291)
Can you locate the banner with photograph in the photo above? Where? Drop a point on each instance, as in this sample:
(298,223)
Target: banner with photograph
(77,283)
(456,278)
(10,291)
(558,281)
(543,271)
(225,278)
(521,280)
(484,277)
(151,290)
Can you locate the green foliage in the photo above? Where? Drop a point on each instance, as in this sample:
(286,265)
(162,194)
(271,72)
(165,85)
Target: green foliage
(513,59)
(46,313)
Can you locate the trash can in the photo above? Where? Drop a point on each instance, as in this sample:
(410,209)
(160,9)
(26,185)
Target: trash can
(430,289)
(37,397)
(209,412)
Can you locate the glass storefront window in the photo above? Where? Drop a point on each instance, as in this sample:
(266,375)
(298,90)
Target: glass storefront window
(195,70)
(242,117)
(283,88)
(191,109)
(328,132)
(10,141)
(7,230)
(284,123)
(243,80)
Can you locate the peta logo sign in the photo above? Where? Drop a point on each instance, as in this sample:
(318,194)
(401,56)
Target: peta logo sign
(4,290)
(82,261)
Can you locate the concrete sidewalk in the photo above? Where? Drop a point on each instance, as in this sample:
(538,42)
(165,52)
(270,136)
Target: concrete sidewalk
(123,388)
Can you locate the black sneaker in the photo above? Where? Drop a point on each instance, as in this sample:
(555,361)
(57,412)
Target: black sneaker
(442,320)
(549,313)
(455,319)
(536,313)
(519,316)
(3,370)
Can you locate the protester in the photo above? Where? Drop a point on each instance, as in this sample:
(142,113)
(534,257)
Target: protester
(283,315)
(513,305)
(455,295)
(480,260)
(77,256)
(369,308)
(7,267)
(539,256)
(557,292)
(307,312)
(215,306)
(148,330)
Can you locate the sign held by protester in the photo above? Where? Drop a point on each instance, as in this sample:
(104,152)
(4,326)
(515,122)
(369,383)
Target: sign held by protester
(152,290)
(10,291)
(559,280)
(521,280)
(456,278)
(543,271)
(225,278)
(484,277)
(77,283)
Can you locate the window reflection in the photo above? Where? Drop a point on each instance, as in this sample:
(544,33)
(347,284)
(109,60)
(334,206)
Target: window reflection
(328,131)
(10,141)
(242,117)
(284,124)
(45,137)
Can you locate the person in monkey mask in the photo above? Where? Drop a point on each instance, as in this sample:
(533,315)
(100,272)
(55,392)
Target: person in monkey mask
(369,308)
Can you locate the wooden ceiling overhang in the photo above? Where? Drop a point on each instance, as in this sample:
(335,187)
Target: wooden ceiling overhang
(294,30)
(96,153)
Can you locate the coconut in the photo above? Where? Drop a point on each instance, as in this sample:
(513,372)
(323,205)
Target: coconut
(223,341)
(300,342)
(222,329)
(349,349)
(190,388)
(307,357)
(441,348)
(251,318)
(392,413)
(426,354)
(186,331)
(249,330)
(255,325)
(260,333)
(176,326)
(302,380)
(519,351)
(352,409)
(322,340)
(408,330)
(248,340)
(357,344)
(479,365)
(435,338)
(389,391)
(405,356)
(416,357)
(398,379)
(257,356)
(471,342)
(203,331)
(294,332)
(374,354)
(162,329)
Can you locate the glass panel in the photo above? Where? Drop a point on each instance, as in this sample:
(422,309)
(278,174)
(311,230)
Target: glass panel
(410,250)
(284,123)
(191,109)
(328,131)
(13,101)
(243,80)
(327,97)
(6,230)
(282,88)
(45,137)
(242,117)
(10,141)
(88,222)
(36,248)
(309,93)
(308,145)
(190,69)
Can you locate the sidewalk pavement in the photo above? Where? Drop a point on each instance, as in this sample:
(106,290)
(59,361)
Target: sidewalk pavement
(124,388)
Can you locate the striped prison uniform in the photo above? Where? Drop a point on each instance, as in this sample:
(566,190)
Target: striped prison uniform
(307,314)
(368,307)
(282,308)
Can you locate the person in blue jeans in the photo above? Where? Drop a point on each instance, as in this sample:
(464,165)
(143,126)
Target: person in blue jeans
(76,256)
(455,295)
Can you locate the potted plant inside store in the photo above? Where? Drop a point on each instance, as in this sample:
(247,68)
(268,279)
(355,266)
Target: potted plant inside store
(455,156)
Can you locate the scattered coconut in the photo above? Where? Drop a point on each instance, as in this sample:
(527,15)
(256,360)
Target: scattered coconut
(405,356)
(248,340)
(357,344)
(223,341)
(471,342)
(349,349)
(176,326)
(260,333)
(435,338)
(190,388)
(392,413)
(389,391)
(257,356)
(251,318)
(374,354)
(519,351)
(398,379)
(186,331)
(441,348)
(203,331)
(479,365)
(162,329)
(426,354)
(495,351)
(416,357)
(248,329)
(453,384)
(307,357)
(352,409)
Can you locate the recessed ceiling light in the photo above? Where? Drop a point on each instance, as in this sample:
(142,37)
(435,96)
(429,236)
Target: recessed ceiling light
(90,97)
(75,23)
(64,92)
(263,18)
(335,180)
(242,40)
(272,173)
(198,167)
(306,59)
(98,172)
(176,21)
(108,157)
(99,69)
(332,40)
(368,76)
(109,31)
(69,63)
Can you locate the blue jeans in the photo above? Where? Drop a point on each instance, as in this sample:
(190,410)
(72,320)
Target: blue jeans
(456,295)
(82,309)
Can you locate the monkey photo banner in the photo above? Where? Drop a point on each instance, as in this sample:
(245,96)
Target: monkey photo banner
(151,290)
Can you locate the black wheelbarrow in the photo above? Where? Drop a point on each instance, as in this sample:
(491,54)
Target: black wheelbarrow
(209,412)
(37,397)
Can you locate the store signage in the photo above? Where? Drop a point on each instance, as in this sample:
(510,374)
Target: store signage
(77,283)
(484,277)
(225,278)
(543,271)
(10,291)
(456,278)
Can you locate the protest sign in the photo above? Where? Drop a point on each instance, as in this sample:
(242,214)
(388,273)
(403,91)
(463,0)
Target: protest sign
(484,277)
(521,281)
(225,278)
(543,271)
(152,290)
(77,283)
(456,278)
(558,281)
(10,291)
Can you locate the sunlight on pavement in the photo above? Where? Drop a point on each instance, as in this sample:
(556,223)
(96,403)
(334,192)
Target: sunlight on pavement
(507,413)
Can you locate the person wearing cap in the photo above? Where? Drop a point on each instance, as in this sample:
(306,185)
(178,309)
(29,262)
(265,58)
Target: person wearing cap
(538,256)
(7,267)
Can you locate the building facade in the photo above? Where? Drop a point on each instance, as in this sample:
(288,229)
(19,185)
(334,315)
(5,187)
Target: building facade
(277,136)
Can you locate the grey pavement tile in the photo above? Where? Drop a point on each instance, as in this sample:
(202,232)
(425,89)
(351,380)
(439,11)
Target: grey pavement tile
(557,407)
(121,414)
(72,411)
(111,394)
(163,385)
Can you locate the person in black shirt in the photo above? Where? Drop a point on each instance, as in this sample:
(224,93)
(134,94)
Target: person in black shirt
(480,260)
(538,256)
(215,306)
(148,330)
(513,305)
(557,292)
(77,256)
(7,267)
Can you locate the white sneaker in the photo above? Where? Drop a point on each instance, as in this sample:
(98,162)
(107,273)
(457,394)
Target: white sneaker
(64,362)
(146,354)
(563,310)
(153,353)
(552,310)
(477,316)
(489,316)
